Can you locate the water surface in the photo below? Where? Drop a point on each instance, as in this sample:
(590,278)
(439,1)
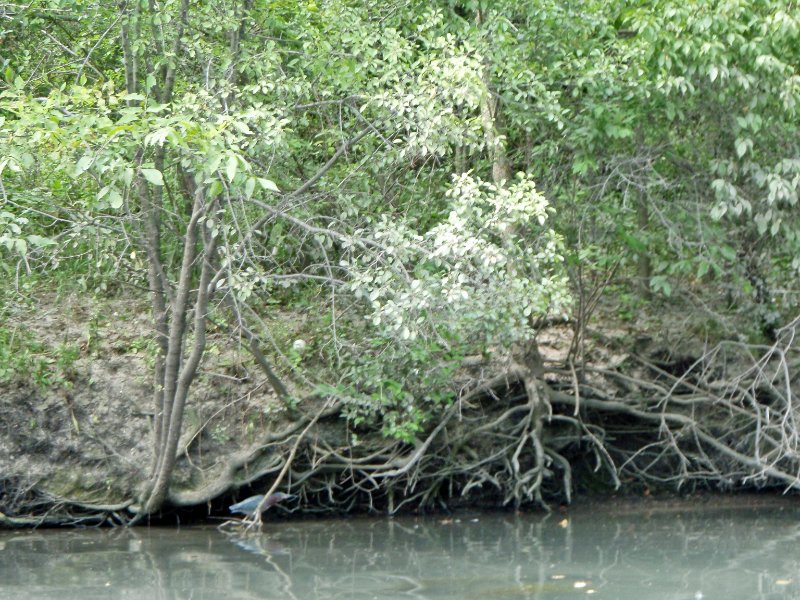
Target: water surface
(612,554)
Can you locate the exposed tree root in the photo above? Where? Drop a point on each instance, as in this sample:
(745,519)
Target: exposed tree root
(730,420)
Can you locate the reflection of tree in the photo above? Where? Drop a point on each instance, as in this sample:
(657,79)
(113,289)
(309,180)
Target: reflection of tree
(727,553)
(673,554)
(156,563)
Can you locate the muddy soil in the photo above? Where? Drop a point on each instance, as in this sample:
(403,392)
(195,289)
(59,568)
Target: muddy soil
(80,429)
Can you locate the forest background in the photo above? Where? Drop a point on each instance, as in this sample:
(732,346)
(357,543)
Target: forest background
(395,255)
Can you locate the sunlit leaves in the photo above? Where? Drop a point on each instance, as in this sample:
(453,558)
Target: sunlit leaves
(752,73)
(493,239)
(231,166)
(154,176)
(13,238)
(112,197)
(268,185)
(687,109)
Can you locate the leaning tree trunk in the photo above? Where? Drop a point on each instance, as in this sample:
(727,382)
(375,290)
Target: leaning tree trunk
(178,364)
(177,298)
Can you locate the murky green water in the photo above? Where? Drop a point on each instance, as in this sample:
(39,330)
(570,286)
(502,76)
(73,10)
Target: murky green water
(591,554)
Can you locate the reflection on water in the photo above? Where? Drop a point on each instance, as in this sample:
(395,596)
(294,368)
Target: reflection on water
(731,555)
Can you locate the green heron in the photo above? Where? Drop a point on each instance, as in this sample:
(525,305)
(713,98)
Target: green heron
(249,505)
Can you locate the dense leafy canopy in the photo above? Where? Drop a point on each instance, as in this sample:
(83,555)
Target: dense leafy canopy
(661,133)
(423,176)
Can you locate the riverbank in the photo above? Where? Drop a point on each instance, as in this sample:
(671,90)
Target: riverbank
(77,424)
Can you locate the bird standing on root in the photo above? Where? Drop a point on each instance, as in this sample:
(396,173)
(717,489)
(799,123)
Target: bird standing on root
(249,505)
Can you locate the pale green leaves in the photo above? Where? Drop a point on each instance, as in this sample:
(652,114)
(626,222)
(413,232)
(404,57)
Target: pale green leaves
(114,199)
(481,273)
(231,167)
(250,183)
(768,220)
(40,242)
(83,164)
(10,163)
(112,196)
(160,135)
(742,146)
(751,121)
(15,245)
(13,238)
(249,187)
(236,165)
(268,185)
(719,74)
(661,285)
(153,176)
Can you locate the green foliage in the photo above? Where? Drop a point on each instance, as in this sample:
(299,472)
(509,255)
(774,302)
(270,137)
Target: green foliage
(398,390)
(445,281)
(22,357)
(345,151)
(475,282)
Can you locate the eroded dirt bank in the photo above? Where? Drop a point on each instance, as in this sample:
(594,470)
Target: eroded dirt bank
(76,427)
(76,420)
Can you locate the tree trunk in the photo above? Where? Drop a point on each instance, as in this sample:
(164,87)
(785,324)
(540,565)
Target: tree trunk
(644,266)
(495,142)
(179,369)
(491,121)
